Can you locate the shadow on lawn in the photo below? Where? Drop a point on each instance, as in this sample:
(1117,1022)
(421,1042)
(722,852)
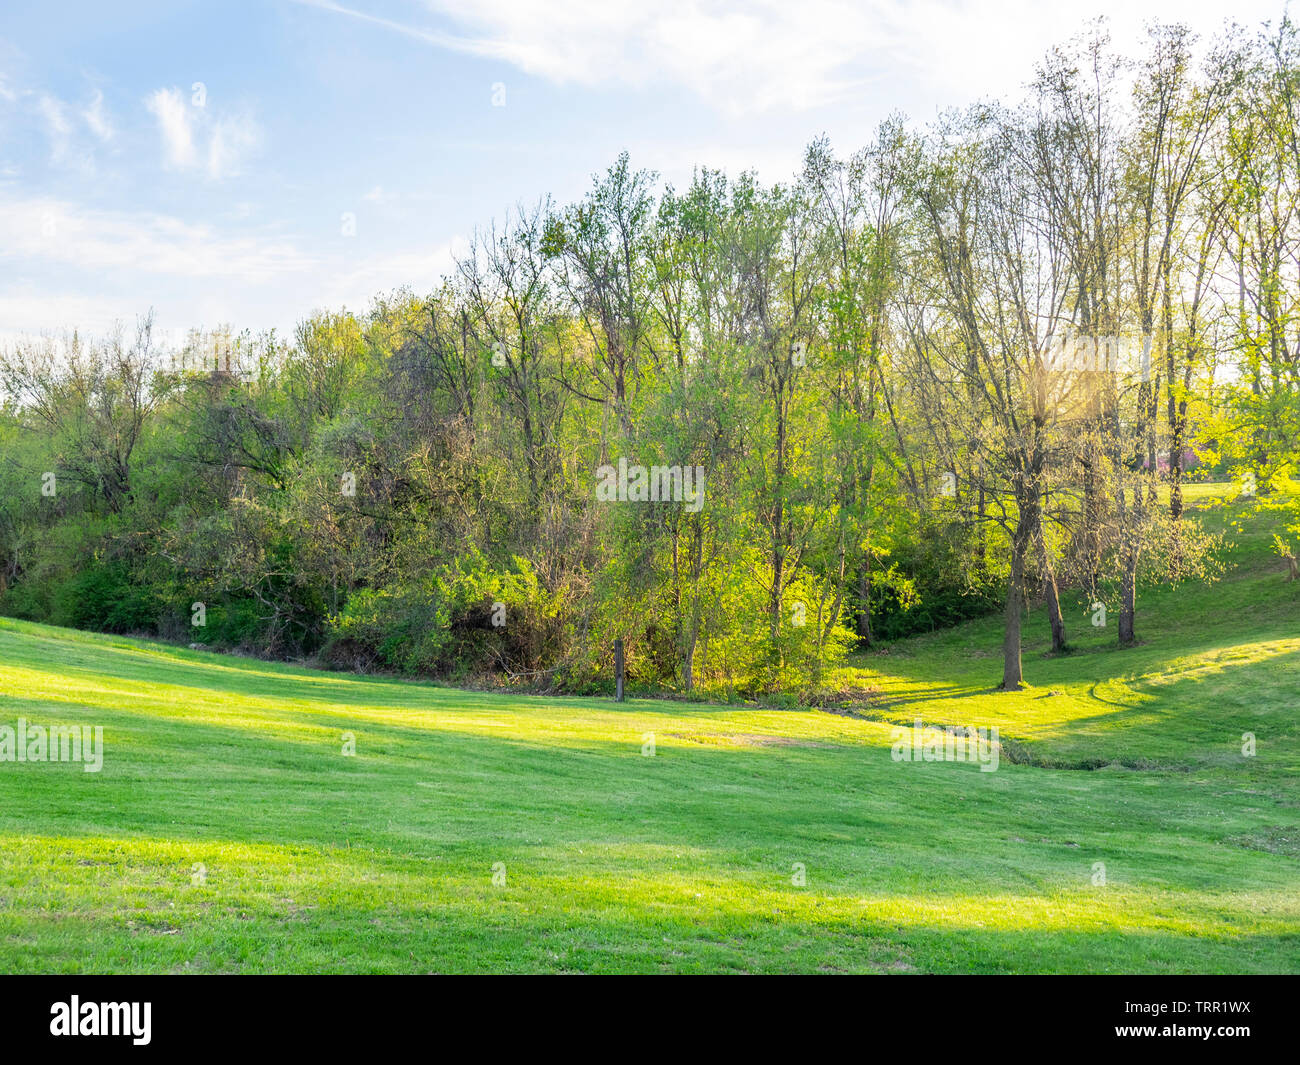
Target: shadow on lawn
(100,660)
(442,914)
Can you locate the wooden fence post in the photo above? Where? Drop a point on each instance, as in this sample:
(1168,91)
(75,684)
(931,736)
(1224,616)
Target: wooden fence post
(618,671)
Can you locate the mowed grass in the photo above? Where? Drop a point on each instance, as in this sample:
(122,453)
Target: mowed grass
(227,831)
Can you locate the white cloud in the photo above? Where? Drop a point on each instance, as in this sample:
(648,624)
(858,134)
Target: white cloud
(57,127)
(183,126)
(96,117)
(51,231)
(175,124)
(773,55)
(233,138)
(65,266)
(69,146)
(68,149)
(740,58)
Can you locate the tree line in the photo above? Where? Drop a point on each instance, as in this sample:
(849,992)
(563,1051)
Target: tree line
(965,368)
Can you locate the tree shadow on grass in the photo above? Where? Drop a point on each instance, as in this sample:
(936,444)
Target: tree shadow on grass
(373,912)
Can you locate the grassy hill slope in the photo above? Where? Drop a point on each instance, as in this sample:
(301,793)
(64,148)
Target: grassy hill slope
(227,831)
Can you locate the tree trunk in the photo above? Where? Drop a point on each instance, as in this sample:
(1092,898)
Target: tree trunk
(1092,503)
(864,600)
(778,518)
(1012,674)
(692,636)
(1177,419)
(1128,601)
(1054,614)
(1050,592)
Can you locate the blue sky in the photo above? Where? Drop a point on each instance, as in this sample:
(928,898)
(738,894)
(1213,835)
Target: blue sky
(244,162)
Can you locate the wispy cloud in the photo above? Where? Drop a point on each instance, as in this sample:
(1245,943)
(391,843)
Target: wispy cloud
(428,36)
(761,56)
(767,55)
(770,55)
(234,137)
(175,120)
(190,272)
(53,231)
(183,124)
(96,117)
(70,149)
(58,128)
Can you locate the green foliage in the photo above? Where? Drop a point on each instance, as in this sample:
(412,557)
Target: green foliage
(371,488)
(1284,501)
(455,621)
(105,597)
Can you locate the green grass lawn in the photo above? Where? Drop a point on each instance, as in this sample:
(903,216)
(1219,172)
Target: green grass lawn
(227,831)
